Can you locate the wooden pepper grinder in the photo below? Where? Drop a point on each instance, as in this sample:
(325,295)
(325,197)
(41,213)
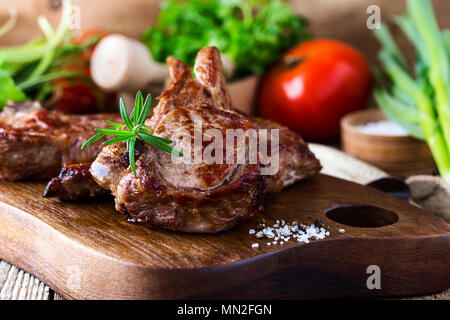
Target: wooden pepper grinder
(120,63)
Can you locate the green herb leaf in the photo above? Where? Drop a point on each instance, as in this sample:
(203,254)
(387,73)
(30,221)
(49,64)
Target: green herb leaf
(154,141)
(116,140)
(9,90)
(145,110)
(92,140)
(124,114)
(147,131)
(114,132)
(114,124)
(131,152)
(252,33)
(137,107)
(33,66)
(164,140)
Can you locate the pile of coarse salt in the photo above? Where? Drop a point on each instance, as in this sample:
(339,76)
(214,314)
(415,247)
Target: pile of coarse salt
(382,128)
(282,232)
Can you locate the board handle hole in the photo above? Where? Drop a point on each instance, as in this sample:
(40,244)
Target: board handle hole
(361,216)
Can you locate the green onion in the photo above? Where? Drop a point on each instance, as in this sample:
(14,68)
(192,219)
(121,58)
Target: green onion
(420,103)
(10,23)
(27,71)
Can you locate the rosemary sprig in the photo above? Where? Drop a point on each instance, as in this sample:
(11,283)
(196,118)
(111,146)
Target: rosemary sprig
(133,128)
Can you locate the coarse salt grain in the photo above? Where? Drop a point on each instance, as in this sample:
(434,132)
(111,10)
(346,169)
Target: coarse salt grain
(255,245)
(282,234)
(341,230)
(251,231)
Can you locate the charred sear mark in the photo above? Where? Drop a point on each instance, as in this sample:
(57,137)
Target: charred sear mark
(138,151)
(123,209)
(126,213)
(206,92)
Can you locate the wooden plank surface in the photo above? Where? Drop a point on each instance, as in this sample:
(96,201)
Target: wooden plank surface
(112,259)
(17,284)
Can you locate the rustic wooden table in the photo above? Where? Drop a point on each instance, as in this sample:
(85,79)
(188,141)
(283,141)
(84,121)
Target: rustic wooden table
(16,284)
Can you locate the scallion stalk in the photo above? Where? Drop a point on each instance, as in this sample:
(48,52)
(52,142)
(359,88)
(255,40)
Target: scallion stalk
(420,103)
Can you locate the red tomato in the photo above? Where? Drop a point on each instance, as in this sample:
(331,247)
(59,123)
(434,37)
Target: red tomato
(313,86)
(86,36)
(80,95)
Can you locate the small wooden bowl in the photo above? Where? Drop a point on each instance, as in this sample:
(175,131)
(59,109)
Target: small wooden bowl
(397,155)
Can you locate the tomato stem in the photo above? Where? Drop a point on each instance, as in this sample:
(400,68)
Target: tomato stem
(292,62)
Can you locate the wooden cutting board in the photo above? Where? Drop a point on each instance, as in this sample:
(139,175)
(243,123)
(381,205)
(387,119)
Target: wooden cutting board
(88,251)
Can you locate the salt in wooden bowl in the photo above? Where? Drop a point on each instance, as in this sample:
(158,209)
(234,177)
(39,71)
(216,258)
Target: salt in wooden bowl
(399,155)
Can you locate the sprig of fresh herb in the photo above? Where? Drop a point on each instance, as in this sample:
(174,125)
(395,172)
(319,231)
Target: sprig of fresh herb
(133,128)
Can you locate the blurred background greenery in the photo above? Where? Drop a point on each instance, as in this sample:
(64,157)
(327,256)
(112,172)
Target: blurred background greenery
(339,19)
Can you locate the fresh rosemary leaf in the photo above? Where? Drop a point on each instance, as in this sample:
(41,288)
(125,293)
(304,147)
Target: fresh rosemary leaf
(115,132)
(164,140)
(145,110)
(137,107)
(114,124)
(252,33)
(154,141)
(147,131)
(124,114)
(130,146)
(116,140)
(92,140)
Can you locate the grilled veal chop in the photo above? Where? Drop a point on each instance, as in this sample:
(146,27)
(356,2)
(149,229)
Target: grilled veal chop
(296,162)
(36,143)
(74,182)
(199,198)
(191,197)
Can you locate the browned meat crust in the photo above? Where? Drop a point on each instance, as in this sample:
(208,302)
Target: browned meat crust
(296,161)
(173,195)
(191,197)
(73,183)
(36,143)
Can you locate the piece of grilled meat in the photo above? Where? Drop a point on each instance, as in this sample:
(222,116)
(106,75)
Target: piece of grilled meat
(36,143)
(73,183)
(190,197)
(296,162)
